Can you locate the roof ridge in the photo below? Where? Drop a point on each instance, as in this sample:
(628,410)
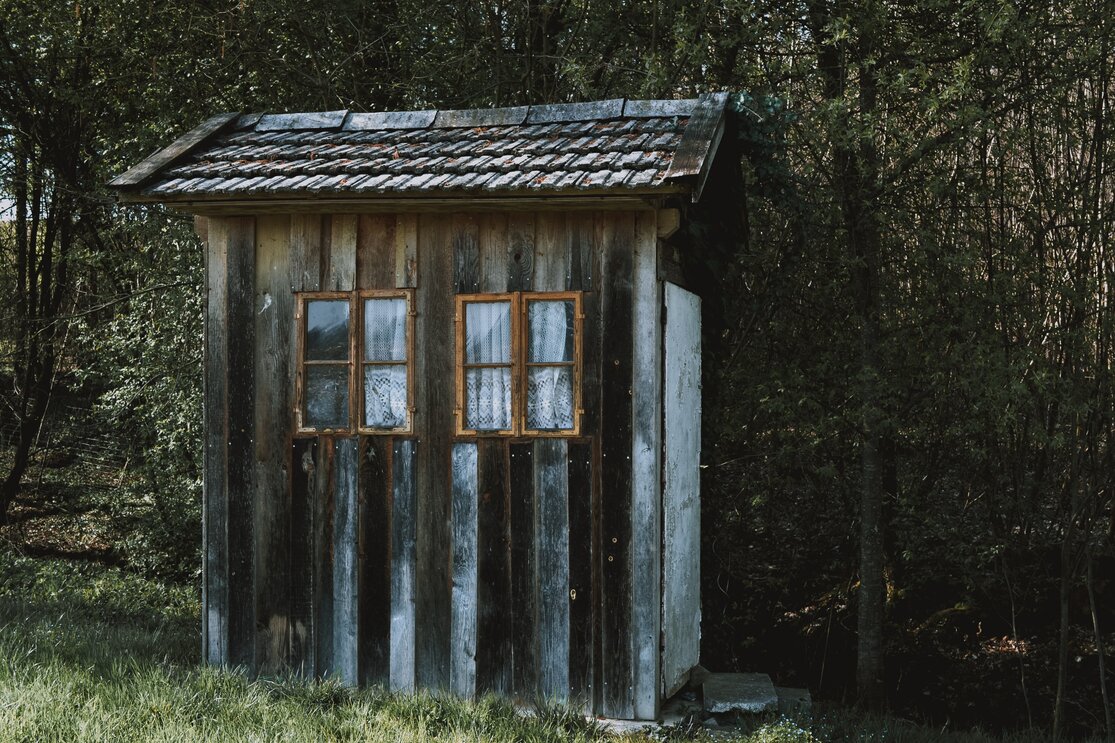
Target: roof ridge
(545,113)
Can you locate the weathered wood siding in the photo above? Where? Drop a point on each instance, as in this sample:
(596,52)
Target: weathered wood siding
(525,567)
(681,584)
(274,334)
(229,438)
(646,471)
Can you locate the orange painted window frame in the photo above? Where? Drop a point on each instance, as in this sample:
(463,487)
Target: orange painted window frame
(356,362)
(520,332)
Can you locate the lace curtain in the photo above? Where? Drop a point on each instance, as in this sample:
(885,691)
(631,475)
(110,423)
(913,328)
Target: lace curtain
(385,385)
(488,389)
(550,388)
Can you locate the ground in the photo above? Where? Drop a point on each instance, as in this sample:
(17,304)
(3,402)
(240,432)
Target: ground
(91,650)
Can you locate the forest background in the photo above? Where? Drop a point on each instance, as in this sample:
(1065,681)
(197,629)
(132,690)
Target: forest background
(909,414)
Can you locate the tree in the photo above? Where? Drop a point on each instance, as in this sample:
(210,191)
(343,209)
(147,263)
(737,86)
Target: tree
(46,127)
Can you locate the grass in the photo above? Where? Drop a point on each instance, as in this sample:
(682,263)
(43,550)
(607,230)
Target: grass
(94,653)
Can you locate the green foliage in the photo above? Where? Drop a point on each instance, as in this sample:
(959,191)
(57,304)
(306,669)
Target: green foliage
(144,351)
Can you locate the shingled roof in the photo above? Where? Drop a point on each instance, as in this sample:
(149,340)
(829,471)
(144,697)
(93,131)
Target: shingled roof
(619,145)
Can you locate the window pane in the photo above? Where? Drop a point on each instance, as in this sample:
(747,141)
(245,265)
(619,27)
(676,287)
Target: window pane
(488,333)
(326,396)
(488,399)
(551,331)
(327,330)
(550,398)
(385,396)
(385,329)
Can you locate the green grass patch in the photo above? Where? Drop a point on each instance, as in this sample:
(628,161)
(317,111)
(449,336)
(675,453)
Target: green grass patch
(93,653)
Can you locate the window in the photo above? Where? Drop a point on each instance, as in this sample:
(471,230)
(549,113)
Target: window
(519,363)
(370,332)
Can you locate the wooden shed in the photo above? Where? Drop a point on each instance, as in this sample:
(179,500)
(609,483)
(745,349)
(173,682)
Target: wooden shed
(452,393)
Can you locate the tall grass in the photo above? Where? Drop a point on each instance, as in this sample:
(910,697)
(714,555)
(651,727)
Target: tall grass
(95,654)
(89,653)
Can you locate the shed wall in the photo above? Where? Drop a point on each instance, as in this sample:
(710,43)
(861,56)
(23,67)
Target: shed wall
(525,567)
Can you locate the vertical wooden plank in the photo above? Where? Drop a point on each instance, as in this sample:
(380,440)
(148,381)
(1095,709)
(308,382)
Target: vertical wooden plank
(462,668)
(466,253)
(681,584)
(617,244)
(493,568)
(493,252)
(346,587)
(433,426)
(201,229)
(342,253)
(404,557)
(553,249)
(520,252)
(305,252)
(375,251)
(304,459)
(524,580)
(322,557)
(580,576)
(215,523)
(325,269)
(587,231)
(646,474)
(375,560)
(274,372)
(582,251)
(406,251)
(305,275)
(241,441)
(551,488)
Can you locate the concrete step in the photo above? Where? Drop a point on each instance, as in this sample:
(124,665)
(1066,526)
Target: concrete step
(751,693)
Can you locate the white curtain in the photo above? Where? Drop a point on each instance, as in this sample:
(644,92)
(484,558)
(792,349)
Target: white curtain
(385,396)
(385,386)
(550,388)
(385,329)
(488,390)
(550,398)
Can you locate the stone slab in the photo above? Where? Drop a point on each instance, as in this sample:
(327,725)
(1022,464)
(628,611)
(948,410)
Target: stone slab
(753,693)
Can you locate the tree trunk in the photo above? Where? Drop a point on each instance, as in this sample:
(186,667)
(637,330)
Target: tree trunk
(855,185)
(872,588)
(1090,582)
(10,487)
(1063,637)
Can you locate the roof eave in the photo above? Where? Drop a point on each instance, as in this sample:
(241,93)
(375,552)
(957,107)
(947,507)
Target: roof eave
(141,173)
(246,203)
(695,154)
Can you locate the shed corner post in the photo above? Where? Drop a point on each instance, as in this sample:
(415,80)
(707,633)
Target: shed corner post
(646,511)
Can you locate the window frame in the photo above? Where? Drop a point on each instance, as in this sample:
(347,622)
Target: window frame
(575,365)
(519,365)
(355,361)
(361,362)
